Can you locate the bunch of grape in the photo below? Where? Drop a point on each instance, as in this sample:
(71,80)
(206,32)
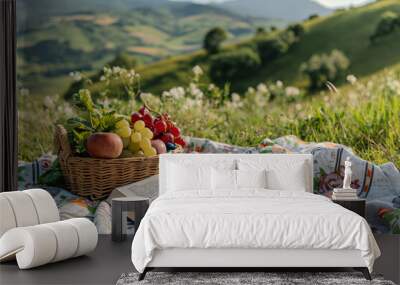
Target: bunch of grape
(149,136)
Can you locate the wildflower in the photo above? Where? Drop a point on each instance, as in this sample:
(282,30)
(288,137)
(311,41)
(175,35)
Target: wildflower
(259,100)
(351,79)
(211,87)
(251,90)
(195,91)
(235,97)
(262,88)
(197,71)
(48,102)
(76,76)
(292,91)
(177,92)
(279,84)
(102,78)
(132,73)
(116,69)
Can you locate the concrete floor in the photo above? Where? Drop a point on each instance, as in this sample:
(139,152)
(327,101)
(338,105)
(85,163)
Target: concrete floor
(110,259)
(103,266)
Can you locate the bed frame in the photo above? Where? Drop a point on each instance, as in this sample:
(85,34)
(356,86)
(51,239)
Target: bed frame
(242,259)
(259,259)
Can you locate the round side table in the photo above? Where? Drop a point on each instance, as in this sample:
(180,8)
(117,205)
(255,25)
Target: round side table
(120,207)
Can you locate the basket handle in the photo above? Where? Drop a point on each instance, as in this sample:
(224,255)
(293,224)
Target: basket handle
(63,148)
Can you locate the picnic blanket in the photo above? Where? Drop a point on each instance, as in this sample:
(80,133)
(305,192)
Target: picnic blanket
(378,184)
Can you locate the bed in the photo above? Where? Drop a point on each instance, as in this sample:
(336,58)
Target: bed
(213,211)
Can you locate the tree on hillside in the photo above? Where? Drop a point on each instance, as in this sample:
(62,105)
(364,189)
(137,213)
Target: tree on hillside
(271,48)
(233,65)
(261,31)
(321,68)
(297,29)
(214,39)
(124,60)
(388,23)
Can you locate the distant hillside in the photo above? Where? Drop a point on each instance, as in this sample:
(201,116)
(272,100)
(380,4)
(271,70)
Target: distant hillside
(289,10)
(347,30)
(56,37)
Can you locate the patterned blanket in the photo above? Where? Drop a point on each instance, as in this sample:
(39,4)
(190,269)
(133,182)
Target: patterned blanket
(378,184)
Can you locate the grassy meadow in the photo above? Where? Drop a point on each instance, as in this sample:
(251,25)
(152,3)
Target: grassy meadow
(362,112)
(364,115)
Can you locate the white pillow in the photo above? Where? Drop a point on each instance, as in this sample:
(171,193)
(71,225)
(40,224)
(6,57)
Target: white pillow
(251,178)
(293,179)
(280,174)
(182,177)
(223,179)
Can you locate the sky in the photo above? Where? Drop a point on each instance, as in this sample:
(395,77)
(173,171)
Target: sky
(328,3)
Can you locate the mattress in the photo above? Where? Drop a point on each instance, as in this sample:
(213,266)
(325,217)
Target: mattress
(250,219)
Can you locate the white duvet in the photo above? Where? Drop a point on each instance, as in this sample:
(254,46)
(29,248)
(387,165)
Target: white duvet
(250,219)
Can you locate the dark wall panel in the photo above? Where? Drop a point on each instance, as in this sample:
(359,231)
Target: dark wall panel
(8,100)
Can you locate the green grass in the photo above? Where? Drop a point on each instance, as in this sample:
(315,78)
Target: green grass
(364,116)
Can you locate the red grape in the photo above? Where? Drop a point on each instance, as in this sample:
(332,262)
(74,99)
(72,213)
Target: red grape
(144,111)
(180,141)
(148,120)
(160,126)
(136,117)
(175,131)
(167,137)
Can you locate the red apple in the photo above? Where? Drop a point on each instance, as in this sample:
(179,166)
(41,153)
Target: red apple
(159,145)
(104,145)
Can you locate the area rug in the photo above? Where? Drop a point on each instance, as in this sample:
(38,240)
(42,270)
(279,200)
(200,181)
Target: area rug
(243,278)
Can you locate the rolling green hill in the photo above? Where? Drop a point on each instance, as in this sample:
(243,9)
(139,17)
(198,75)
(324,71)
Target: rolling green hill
(57,37)
(347,30)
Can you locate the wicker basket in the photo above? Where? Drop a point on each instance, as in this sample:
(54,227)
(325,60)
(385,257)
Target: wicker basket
(96,178)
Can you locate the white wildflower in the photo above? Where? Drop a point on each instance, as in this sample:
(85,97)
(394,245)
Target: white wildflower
(191,103)
(77,76)
(132,73)
(195,91)
(235,97)
(166,94)
(211,87)
(393,85)
(175,93)
(197,71)
(251,90)
(48,102)
(279,84)
(116,69)
(259,100)
(102,78)
(262,88)
(292,91)
(351,79)
(107,71)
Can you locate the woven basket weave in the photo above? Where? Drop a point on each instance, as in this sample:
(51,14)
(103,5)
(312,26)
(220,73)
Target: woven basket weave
(95,178)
